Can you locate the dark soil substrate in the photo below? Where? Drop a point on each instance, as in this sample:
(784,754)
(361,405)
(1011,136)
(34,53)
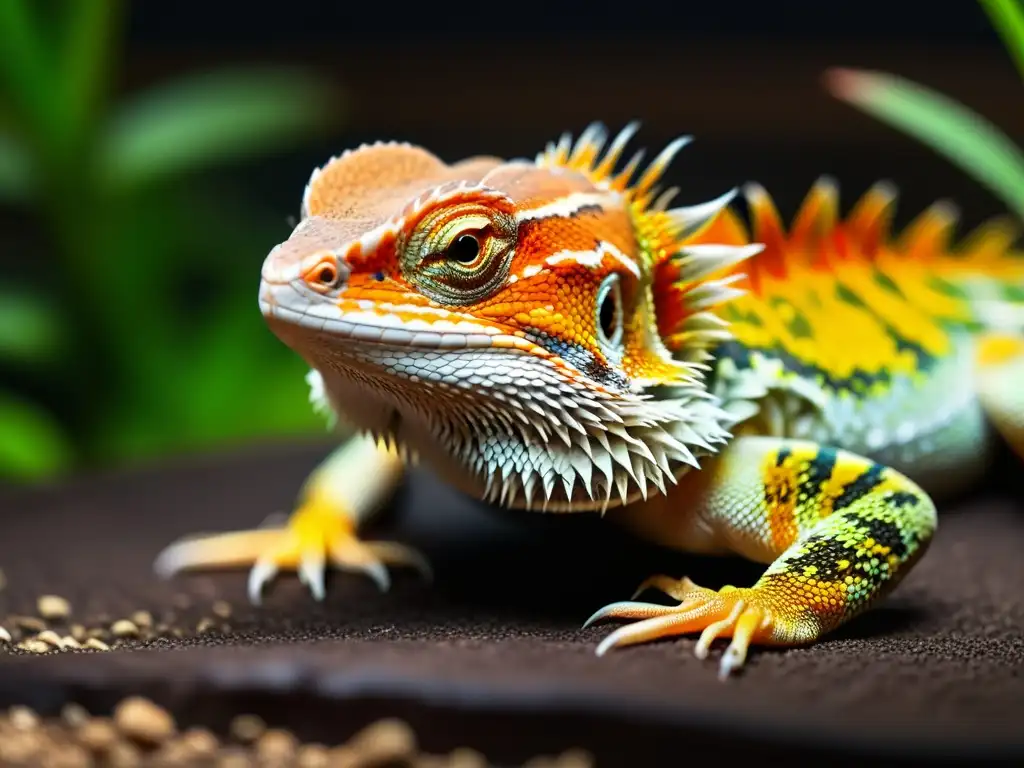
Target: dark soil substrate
(491,655)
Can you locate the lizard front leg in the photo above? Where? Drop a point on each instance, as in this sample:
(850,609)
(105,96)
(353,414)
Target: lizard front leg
(839,530)
(337,498)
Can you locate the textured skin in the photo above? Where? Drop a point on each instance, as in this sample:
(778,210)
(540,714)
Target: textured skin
(552,334)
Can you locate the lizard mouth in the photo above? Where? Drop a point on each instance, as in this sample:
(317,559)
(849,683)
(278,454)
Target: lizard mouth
(291,306)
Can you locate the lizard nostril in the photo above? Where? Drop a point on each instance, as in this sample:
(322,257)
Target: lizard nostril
(325,275)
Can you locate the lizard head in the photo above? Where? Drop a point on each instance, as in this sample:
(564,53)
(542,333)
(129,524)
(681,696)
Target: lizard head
(542,323)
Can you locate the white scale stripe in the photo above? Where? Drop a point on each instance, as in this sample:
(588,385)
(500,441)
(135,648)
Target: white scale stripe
(593,259)
(570,204)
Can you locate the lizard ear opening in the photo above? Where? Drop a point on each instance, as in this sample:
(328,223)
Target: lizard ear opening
(610,313)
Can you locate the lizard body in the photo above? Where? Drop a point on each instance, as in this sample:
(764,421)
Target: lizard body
(551,334)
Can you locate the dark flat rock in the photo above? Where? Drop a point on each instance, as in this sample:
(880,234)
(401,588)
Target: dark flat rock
(491,654)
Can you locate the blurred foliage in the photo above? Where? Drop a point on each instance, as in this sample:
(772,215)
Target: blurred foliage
(132,330)
(967,139)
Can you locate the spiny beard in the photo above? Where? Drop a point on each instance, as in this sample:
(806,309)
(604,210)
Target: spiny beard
(556,445)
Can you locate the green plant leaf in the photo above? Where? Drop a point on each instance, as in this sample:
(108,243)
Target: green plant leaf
(1008,19)
(25,64)
(88,41)
(16,174)
(968,140)
(32,444)
(30,329)
(211,118)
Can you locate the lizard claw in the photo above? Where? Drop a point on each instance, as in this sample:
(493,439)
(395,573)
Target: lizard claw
(743,614)
(262,572)
(313,537)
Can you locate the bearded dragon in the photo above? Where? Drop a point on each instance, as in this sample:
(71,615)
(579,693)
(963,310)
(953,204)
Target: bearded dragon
(552,335)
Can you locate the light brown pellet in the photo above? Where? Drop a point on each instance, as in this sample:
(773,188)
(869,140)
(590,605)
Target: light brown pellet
(98,734)
(144,721)
(247,728)
(276,745)
(53,607)
(124,628)
(386,740)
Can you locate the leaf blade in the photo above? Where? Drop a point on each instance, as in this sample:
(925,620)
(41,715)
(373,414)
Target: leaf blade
(16,171)
(32,444)
(1008,19)
(949,128)
(208,119)
(30,329)
(85,57)
(25,66)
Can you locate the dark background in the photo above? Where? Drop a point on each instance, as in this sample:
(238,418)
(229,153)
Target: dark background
(151,344)
(742,77)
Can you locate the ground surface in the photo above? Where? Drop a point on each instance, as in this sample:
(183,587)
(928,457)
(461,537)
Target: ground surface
(491,655)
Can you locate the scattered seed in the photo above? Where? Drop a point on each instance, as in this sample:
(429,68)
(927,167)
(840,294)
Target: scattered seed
(388,740)
(74,715)
(5,636)
(234,757)
(221,608)
(96,644)
(97,632)
(171,753)
(98,734)
(49,637)
(576,758)
(19,749)
(35,645)
(464,757)
(68,756)
(276,745)
(22,718)
(142,618)
(143,733)
(124,628)
(345,756)
(247,728)
(200,742)
(142,720)
(31,623)
(78,632)
(205,625)
(123,754)
(313,756)
(69,642)
(53,607)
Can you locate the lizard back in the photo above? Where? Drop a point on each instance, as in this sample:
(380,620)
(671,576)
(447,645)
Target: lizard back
(852,336)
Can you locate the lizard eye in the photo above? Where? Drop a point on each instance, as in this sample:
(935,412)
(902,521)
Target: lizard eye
(459,253)
(465,249)
(609,311)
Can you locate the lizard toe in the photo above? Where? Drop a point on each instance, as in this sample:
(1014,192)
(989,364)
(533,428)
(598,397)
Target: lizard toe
(741,614)
(312,539)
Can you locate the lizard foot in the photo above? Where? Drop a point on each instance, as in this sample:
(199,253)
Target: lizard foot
(315,535)
(743,614)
